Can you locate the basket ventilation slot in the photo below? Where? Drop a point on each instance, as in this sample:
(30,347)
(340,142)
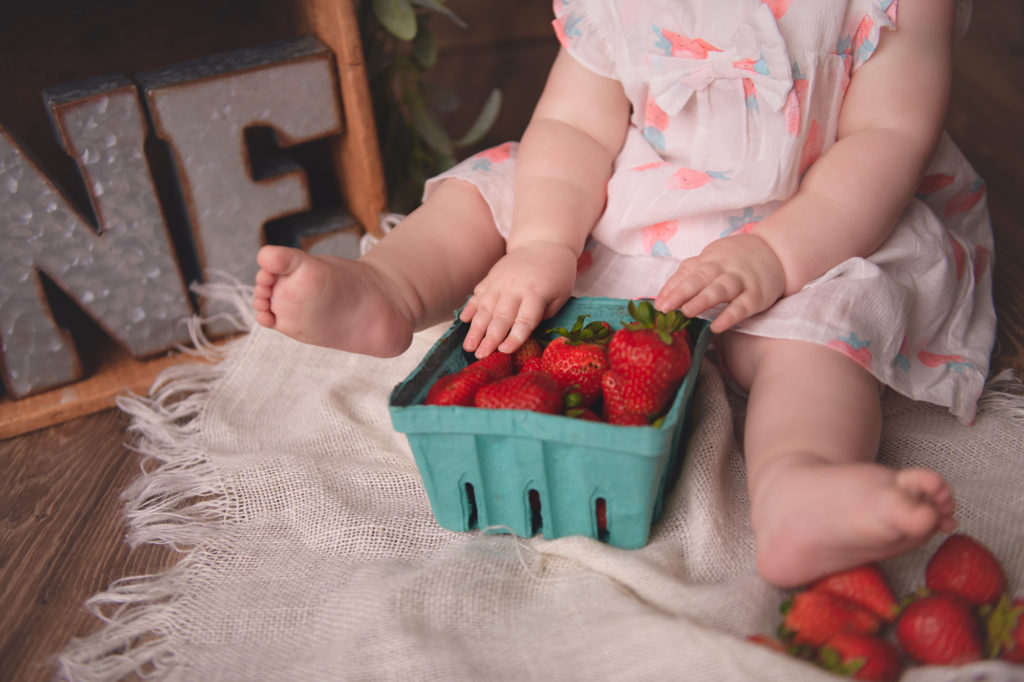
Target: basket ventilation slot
(471,519)
(601,518)
(536,520)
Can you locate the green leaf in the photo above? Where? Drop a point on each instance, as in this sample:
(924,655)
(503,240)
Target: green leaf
(484,120)
(397,16)
(438,6)
(429,129)
(424,48)
(1000,624)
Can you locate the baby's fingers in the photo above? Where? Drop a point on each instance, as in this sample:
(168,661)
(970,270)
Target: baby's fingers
(683,285)
(500,321)
(477,312)
(738,310)
(526,320)
(721,289)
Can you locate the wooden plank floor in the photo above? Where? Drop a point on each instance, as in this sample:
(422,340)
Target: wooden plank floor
(61,530)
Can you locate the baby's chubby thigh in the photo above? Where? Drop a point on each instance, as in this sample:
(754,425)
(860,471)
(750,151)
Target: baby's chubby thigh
(804,398)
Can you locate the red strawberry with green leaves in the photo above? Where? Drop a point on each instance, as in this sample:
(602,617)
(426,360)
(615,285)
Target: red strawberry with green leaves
(862,657)
(964,567)
(864,585)
(572,401)
(583,414)
(617,392)
(940,629)
(459,388)
(535,391)
(577,357)
(652,354)
(814,617)
(498,363)
(530,349)
(770,642)
(1004,630)
(531,365)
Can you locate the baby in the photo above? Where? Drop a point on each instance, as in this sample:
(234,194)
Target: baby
(777,166)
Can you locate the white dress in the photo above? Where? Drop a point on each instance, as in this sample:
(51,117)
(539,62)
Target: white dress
(732,100)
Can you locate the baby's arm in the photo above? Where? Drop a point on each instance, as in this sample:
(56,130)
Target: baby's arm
(564,162)
(850,199)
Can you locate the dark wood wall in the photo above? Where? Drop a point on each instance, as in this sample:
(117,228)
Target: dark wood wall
(508,45)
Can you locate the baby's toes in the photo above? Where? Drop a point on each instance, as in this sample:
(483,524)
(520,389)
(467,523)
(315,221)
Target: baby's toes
(924,484)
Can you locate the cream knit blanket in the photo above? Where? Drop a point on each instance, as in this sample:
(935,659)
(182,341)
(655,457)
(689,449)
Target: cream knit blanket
(310,551)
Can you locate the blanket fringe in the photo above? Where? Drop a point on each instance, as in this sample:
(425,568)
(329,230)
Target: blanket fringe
(134,610)
(178,501)
(1003,397)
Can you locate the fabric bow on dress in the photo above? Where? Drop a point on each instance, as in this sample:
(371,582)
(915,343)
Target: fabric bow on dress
(756,52)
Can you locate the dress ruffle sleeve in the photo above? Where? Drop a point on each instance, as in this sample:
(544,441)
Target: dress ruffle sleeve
(577,25)
(870,18)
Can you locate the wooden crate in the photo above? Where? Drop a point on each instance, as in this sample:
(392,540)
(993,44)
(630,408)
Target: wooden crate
(65,48)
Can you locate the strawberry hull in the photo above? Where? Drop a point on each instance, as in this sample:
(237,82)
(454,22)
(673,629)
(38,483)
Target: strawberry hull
(535,473)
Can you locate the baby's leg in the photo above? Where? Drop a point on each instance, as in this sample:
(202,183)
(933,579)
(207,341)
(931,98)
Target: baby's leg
(819,502)
(415,277)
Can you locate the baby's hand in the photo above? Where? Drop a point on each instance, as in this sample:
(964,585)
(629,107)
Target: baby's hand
(527,285)
(741,270)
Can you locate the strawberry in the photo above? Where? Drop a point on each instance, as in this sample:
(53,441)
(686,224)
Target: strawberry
(575,357)
(617,392)
(652,353)
(535,391)
(531,348)
(964,567)
(603,337)
(862,657)
(864,585)
(458,388)
(813,617)
(1004,626)
(497,363)
(582,413)
(531,365)
(770,642)
(940,629)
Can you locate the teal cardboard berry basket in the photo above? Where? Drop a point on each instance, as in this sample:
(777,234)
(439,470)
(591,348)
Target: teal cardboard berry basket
(528,473)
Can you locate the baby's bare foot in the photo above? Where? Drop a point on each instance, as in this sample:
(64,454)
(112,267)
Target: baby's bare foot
(821,518)
(329,301)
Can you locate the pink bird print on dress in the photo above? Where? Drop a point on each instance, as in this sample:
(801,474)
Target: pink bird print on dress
(655,122)
(655,237)
(485,159)
(649,166)
(778,7)
(959,255)
(741,224)
(566,27)
(862,47)
(962,203)
(930,184)
(750,94)
(688,178)
(679,45)
(953,362)
(795,101)
(890,7)
(902,359)
(854,348)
